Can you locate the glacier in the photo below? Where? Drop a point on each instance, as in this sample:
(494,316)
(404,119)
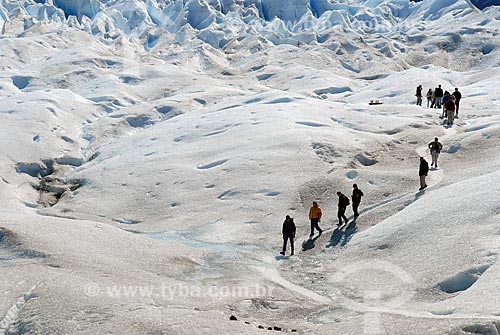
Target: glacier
(151,150)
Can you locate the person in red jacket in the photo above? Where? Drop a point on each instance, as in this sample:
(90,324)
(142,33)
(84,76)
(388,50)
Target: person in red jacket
(450,109)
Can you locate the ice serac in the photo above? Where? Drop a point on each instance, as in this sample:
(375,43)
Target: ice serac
(388,28)
(3,17)
(19,21)
(130,16)
(289,10)
(286,10)
(79,8)
(438,8)
(481,4)
(199,15)
(44,12)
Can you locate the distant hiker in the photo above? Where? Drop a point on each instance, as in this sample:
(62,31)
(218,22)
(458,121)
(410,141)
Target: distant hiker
(422,172)
(446,97)
(450,109)
(356,199)
(433,99)
(438,93)
(288,232)
(435,148)
(429,97)
(419,95)
(458,97)
(343,203)
(315,217)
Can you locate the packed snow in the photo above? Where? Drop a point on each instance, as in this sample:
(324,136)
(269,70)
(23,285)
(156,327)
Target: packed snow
(152,149)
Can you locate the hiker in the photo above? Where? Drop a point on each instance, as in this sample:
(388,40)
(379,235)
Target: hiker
(288,232)
(450,109)
(315,217)
(422,172)
(419,95)
(446,97)
(458,97)
(343,203)
(435,148)
(356,199)
(433,99)
(438,93)
(429,97)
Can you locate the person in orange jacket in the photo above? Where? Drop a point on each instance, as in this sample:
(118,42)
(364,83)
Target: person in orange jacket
(315,217)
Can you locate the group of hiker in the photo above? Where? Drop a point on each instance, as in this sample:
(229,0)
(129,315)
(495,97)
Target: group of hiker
(315,214)
(437,98)
(450,103)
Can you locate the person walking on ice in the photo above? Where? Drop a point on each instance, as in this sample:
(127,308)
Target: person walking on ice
(288,232)
(419,95)
(422,172)
(315,217)
(430,94)
(435,148)
(438,93)
(446,97)
(450,110)
(458,97)
(356,199)
(343,203)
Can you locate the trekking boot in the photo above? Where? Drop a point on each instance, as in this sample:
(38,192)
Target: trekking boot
(282,252)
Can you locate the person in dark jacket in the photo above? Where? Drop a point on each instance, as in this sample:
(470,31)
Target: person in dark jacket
(457,96)
(435,148)
(288,232)
(438,93)
(343,203)
(419,95)
(422,172)
(356,199)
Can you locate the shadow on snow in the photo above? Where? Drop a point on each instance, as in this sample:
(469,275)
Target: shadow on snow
(340,237)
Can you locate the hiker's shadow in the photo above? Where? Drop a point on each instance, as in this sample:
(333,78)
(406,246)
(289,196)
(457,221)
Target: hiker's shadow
(349,231)
(309,243)
(342,237)
(417,196)
(447,125)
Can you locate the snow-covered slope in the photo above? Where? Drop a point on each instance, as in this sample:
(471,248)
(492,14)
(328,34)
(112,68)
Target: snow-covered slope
(151,150)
